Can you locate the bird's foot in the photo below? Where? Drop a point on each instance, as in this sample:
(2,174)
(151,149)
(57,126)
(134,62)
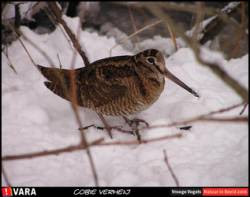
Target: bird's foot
(117,128)
(134,124)
(92,125)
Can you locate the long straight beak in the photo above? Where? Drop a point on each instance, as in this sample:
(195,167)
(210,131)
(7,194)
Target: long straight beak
(173,78)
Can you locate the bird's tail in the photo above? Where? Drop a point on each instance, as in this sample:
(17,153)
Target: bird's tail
(59,81)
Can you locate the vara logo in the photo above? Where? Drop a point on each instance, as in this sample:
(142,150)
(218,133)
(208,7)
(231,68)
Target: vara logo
(6,191)
(18,191)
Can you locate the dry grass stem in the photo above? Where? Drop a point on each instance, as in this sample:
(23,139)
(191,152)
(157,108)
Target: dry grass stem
(135,33)
(170,168)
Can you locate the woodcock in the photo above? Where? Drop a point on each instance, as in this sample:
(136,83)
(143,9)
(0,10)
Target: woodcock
(115,86)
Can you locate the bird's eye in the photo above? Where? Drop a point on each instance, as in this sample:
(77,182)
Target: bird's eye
(151,60)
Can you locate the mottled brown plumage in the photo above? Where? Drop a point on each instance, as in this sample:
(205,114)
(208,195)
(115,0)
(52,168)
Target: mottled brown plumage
(115,86)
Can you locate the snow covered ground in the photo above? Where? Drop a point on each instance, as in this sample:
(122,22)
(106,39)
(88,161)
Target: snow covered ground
(35,119)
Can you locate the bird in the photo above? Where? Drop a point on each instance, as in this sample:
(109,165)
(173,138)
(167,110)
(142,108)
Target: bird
(114,86)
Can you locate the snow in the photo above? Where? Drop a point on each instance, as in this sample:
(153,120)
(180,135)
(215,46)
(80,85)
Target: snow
(35,119)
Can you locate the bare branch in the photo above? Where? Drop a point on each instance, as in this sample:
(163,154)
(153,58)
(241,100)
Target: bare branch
(194,45)
(135,33)
(58,16)
(143,141)
(170,169)
(244,108)
(50,152)
(18,32)
(205,117)
(231,119)
(133,25)
(9,61)
(5,176)
(106,125)
(100,142)
(80,146)
(73,93)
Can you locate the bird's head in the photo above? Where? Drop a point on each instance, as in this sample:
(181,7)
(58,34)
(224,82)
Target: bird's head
(154,59)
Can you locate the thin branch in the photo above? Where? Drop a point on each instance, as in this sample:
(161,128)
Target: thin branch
(58,151)
(170,168)
(194,45)
(5,176)
(73,93)
(18,32)
(244,108)
(216,23)
(199,18)
(58,14)
(143,141)
(191,8)
(240,32)
(172,35)
(219,111)
(60,64)
(80,146)
(100,142)
(9,61)
(134,25)
(199,119)
(205,117)
(106,125)
(135,33)
(230,119)
(53,20)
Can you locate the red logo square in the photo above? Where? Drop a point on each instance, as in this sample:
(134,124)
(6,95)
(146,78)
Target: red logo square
(6,191)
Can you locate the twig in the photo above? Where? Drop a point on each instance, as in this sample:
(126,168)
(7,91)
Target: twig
(143,141)
(9,62)
(52,19)
(170,169)
(80,146)
(191,8)
(58,14)
(224,109)
(18,32)
(60,64)
(199,18)
(73,93)
(5,176)
(135,33)
(194,45)
(231,119)
(215,25)
(134,25)
(205,117)
(244,108)
(108,128)
(200,119)
(240,32)
(66,149)
(172,35)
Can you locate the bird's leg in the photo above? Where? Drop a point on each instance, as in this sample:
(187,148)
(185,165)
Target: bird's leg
(134,123)
(106,125)
(137,134)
